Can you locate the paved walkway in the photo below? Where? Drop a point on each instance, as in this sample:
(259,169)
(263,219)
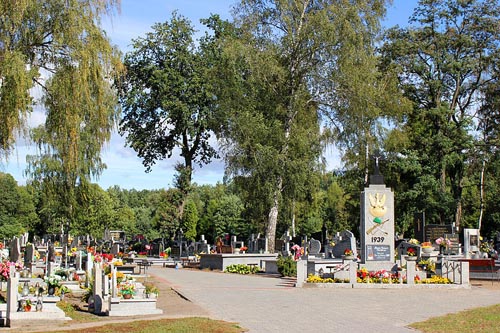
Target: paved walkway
(267,304)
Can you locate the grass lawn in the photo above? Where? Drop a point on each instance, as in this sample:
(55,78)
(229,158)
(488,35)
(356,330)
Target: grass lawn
(485,319)
(187,325)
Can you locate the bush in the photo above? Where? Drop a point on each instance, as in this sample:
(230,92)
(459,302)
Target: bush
(287,266)
(242,269)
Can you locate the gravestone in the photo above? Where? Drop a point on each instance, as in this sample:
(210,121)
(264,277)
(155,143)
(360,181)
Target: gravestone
(51,255)
(15,250)
(453,244)
(434,231)
(344,240)
(471,241)
(287,238)
(252,244)
(419,226)
(314,246)
(377,223)
(74,242)
(115,249)
(403,250)
(261,245)
(29,251)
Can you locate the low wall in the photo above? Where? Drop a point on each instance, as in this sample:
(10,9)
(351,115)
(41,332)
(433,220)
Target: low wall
(220,261)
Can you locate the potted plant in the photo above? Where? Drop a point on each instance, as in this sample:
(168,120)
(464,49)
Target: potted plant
(127,290)
(151,290)
(427,247)
(53,282)
(411,254)
(348,254)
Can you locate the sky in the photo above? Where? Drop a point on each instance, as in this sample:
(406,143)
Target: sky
(136,17)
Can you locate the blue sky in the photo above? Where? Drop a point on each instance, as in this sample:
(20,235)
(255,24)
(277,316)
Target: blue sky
(136,18)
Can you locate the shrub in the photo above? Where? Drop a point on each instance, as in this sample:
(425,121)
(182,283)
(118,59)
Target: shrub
(287,266)
(242,269)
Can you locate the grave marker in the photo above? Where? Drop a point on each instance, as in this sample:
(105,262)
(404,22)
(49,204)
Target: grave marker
(15,250)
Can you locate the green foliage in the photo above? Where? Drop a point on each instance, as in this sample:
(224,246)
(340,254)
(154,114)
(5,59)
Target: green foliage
(286,266)
(166,98)
(242,269)
(17,211)
(442,60)
(190,220)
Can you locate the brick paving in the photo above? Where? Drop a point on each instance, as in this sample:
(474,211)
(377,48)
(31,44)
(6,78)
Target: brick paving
(271,304)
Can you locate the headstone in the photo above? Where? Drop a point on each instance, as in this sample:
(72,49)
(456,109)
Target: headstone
(418,226)
(15,250)
(24,239)
(261,245)
(434,231)
(471,241)
(314,246)
(453,244)
(51,256)
(403,250)
(28,255)
(344,241)
(115,249)
(287,238)
(377,223)
(74,242)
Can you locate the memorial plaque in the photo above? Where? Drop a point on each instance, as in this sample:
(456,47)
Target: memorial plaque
(378,253)
(434,231)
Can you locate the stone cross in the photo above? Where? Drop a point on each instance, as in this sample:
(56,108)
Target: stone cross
(377,177)
(288,238)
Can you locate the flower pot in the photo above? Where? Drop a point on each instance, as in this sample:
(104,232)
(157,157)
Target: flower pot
(127,296)
(348,257)
(51,291)
(427,249)
(411,258)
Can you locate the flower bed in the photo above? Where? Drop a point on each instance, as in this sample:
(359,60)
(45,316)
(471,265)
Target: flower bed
(379,277)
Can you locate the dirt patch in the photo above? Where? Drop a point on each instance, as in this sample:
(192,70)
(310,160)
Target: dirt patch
(172,304)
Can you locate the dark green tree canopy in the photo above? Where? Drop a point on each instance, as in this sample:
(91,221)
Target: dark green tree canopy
(166,97)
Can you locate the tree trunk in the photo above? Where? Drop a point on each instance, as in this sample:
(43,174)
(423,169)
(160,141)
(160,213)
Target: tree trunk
(481,204)
(273,218)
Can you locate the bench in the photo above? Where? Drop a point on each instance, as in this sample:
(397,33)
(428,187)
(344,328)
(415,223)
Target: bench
(143,266)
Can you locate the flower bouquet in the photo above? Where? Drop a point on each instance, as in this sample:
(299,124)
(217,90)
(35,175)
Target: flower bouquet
(243,248)
(127,289)
(427,247)
(348,254)
(297,251)
(53,280)
(411,254)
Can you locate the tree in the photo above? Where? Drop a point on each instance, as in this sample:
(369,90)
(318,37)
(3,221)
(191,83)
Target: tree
(56,39)
(446,64)
(167,100)
(190,220)
(285,63)
(17,211)
(59,47)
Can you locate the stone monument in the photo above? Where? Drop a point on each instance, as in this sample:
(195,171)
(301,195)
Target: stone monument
(377,223)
